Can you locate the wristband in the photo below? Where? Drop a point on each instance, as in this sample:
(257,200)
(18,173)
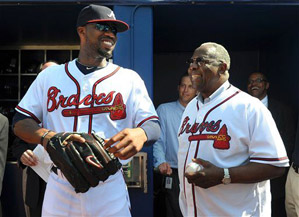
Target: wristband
(43,136)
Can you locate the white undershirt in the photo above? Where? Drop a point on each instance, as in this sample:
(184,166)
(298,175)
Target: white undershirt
(265,101)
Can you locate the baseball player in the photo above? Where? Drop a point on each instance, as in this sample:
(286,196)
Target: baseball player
(89,95)
(233,136)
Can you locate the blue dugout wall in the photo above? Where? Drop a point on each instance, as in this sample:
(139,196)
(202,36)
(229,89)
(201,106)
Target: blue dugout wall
(135,51)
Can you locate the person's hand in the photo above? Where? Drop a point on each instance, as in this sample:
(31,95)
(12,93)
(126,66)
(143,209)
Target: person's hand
(208,177)
(74,137)
(69,137)
(28,158)
(127,143)
(165,169)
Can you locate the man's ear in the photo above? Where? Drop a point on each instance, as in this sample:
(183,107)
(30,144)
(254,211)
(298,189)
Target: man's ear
(222,68)
(267,85)
(81,30)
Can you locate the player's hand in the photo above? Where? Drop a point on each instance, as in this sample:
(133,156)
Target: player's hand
(28,158)
(127,143)
(71,137)
(165,168)
(75,137)
(206,178)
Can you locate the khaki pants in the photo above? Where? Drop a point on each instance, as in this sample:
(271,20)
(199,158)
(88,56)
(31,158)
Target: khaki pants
(292,194)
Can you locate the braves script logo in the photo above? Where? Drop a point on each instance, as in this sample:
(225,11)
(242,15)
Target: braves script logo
(117,110)
(221,139)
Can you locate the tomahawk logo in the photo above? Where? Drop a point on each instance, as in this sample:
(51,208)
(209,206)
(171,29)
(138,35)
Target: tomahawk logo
(111,15)
(221,139)
(218,133)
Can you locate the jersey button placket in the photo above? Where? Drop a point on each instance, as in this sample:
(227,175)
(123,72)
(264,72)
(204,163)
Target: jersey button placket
(85,91)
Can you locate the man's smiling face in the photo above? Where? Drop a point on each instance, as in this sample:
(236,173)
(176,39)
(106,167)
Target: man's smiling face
(257,85)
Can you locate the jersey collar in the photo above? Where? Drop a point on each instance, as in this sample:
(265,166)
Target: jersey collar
(220,90)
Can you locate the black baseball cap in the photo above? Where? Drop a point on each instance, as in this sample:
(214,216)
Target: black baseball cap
(97,13)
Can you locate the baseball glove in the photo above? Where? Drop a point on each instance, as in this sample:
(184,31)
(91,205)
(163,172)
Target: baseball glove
(83,164)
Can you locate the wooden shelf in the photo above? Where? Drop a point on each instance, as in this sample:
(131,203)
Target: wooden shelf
(6,74)
(23,61)
(9,100)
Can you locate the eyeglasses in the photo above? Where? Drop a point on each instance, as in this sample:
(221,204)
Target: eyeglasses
(106,28)
(258,80)
(200,60)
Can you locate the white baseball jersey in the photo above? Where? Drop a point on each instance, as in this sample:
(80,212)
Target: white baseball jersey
(106,101)
(229,129)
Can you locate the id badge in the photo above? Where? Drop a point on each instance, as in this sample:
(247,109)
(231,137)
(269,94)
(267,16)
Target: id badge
(168,182)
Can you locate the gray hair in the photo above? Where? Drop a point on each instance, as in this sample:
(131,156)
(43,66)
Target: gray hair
(218,52)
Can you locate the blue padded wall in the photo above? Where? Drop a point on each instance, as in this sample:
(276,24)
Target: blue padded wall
(134,50)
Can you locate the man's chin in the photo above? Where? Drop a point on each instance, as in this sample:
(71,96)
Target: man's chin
(255,95)
(105,54)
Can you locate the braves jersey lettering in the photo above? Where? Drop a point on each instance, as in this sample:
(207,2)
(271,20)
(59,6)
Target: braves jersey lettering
(117,110)
(221,140)
(211,126)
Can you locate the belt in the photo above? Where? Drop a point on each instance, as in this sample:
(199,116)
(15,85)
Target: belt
(296,168)
(54,169)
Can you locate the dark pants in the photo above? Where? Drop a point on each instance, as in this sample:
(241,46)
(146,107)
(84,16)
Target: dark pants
(278,207)
(172,196)
(166,201)
(33,193)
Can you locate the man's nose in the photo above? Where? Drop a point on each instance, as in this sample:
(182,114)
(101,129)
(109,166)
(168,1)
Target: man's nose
(110,34)
(193,66)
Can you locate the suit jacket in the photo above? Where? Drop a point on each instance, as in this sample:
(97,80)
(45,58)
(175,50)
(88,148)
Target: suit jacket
(285,120)
(4,125)
(35,186)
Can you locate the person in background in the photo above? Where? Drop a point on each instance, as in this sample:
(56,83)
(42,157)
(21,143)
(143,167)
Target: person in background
(165,149)
(258,86)
(4,126)
(33,185)
(46,65)
(233,136)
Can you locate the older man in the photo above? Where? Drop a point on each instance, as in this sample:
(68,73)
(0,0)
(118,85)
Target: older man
(233,136)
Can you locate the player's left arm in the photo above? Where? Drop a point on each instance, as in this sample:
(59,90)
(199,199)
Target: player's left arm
(130,141)
(252,172)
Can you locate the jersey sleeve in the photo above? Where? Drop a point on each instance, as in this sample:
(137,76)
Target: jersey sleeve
(32,102)
(266,145)
(159,147)
(143,107)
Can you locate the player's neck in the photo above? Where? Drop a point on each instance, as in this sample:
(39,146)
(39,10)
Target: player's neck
(92,62)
